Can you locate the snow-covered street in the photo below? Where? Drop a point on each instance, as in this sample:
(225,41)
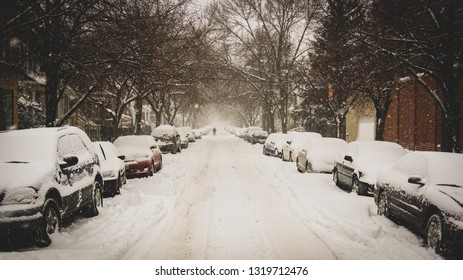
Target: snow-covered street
(223,199)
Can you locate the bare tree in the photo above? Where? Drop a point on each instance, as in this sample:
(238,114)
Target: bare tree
(284,25)
(431,33)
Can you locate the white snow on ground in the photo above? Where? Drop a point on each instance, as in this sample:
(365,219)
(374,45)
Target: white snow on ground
(223,199)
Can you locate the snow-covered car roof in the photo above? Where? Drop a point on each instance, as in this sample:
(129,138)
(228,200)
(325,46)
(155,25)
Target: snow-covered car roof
(35,144)
(135,141)
(325,147)
(164,129)
(439,167)
(373,151)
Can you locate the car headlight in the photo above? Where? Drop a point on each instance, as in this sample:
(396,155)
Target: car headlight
(20,196)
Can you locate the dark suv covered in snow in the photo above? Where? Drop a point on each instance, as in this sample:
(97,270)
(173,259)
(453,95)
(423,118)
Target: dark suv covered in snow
(47,175)
(167,138)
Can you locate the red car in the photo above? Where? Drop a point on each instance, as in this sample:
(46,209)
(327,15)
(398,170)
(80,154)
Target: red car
(142,156)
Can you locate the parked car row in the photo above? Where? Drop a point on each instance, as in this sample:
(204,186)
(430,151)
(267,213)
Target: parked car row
(67,174)
(420,190)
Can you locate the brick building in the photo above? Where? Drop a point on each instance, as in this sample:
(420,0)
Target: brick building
(414,119)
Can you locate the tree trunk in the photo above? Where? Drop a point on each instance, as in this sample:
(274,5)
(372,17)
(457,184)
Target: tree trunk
(51,96)
(451,141)
(138,116)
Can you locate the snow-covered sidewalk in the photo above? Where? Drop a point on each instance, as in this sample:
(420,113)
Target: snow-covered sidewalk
(223,199)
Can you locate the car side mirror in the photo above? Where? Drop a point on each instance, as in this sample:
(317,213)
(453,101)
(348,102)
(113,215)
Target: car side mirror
(416,180)
(69,161)
(122,157)
(349,158)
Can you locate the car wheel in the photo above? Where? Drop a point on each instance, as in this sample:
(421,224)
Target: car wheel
(308,167)
(263,151)
(290,157)
(174,150)
(354,187)
(118,186)
(298,168)
(434,233)
(335,177)
(151,169)
(383,208)
(51,222)
(96,203)
(361,189)
(275,153)
(160,165)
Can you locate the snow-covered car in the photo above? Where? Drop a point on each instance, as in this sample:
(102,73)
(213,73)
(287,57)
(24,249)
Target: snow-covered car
(273,145)
(184,134)
(292,146)
(359,163)
(189,132)
(167,138)
(112,167)
(142,155)
(47,175)
(258,136)
(197,133)
(424,191)
(319,154)
(248,131)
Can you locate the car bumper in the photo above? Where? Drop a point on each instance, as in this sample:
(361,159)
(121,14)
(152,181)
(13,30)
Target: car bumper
(166,147)
(139,168)
(367,186)
(454,237)
(24,217)
(109,185)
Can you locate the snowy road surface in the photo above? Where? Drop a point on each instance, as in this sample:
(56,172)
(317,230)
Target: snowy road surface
(223,199)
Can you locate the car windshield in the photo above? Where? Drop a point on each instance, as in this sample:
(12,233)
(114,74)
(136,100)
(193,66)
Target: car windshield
(162,132)
(445,169)
(380,153)
(133,141)
(27,147)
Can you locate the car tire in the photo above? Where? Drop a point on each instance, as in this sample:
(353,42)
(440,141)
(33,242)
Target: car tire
(354,187)
(51,222)
(336,177)
(263,151)
(160,165)
(97,202)
(308,167)
(174,150)
(151,169)
(118,187)
(383,207)
(298,168)
(275,153)
(434,233)
(361,189)
(290,157)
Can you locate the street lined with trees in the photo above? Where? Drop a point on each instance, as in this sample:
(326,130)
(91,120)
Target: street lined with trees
(280,64)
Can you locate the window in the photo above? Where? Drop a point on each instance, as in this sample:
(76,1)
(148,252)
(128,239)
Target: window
(71,145)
